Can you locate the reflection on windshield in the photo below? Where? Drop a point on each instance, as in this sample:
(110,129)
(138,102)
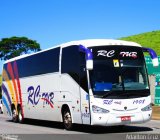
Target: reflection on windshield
(134,78)
(105,77)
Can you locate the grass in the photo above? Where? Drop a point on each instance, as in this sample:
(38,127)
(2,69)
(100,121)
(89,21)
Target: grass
(148,39)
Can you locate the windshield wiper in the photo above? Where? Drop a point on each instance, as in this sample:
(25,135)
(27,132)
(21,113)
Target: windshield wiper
(107,94)
(133,94)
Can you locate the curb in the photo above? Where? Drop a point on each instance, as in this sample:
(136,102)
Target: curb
(155,112)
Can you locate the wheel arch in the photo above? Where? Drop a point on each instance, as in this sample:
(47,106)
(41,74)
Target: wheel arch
(13,106)
(66,106)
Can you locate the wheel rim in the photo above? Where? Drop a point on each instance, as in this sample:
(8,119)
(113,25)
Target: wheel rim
(20,116)
(67,120)
(14,115)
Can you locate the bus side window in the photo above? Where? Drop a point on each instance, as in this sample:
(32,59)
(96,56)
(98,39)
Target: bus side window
(70,62)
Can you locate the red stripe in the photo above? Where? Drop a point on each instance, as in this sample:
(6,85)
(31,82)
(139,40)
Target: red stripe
(19,86)
(10,70)
(47,102)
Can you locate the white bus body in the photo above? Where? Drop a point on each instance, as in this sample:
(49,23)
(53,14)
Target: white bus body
(56,85)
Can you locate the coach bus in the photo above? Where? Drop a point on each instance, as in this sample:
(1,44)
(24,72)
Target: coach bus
(93,82)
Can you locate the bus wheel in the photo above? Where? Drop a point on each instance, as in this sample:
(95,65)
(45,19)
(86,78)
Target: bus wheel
(14,115)
(67,119)
(20,117)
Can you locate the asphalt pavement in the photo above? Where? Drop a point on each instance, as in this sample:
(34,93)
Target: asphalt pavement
(40,130)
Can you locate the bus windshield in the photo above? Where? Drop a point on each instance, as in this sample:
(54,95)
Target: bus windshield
(119,72)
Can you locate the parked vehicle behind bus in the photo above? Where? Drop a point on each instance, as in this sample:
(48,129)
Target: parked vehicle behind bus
(1,107)
(95,82)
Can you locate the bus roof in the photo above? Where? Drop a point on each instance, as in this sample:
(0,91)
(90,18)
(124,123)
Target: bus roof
(87,43)
(99,42)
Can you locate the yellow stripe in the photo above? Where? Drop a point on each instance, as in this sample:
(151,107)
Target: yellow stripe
(10,86)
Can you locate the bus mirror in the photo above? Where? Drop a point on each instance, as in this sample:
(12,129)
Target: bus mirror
(153,56)
(89,56)
(155,62)
(89,65)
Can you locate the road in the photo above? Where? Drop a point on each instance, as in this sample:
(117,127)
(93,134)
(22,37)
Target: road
(45,127)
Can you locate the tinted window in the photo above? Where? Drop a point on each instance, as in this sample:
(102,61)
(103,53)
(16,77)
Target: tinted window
(40,63)
(74,64)
(70,62)
(119,72)
(83,73)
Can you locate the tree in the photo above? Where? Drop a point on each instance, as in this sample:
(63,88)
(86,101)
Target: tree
(15,46)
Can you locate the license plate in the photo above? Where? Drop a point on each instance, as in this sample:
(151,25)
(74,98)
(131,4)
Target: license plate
(126,118)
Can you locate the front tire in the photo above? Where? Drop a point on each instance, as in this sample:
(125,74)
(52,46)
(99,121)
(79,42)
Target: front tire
(67,119)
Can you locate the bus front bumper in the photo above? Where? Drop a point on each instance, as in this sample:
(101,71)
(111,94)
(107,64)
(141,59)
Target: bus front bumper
(120,119)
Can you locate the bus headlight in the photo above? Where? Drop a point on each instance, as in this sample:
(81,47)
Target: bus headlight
(147,108)
(97,109)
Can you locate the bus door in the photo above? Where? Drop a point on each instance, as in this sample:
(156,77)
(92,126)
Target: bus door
(70,81)
(85,110)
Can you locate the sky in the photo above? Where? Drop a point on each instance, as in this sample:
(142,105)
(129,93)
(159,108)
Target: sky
(52,22)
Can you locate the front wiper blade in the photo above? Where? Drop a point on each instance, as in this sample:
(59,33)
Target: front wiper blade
(107,94)
(132,94)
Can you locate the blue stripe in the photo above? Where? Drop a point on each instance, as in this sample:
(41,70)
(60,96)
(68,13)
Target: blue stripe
(7,106)
(6,93)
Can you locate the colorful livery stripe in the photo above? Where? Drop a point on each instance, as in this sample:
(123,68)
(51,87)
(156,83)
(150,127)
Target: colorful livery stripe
(10,71)
(5,91)
(7,106)
(12,88)
(19,86)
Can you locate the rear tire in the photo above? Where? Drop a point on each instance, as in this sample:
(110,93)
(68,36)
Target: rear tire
(67,119)
(14,115)
(20,116)
(1,112)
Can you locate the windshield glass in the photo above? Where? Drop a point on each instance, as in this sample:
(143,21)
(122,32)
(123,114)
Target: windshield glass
(116,73)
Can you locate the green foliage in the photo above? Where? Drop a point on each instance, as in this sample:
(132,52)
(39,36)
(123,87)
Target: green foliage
(15,46)
(148,39)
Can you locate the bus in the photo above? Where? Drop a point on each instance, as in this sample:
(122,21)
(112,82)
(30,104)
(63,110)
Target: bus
(93,82)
